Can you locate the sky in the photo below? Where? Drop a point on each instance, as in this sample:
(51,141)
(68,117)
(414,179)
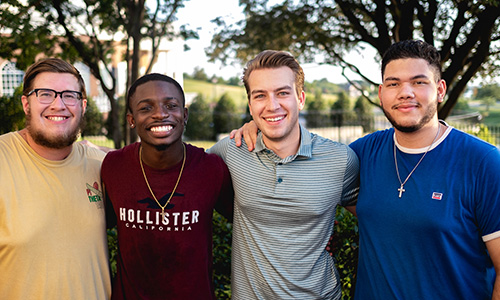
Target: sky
(198,14)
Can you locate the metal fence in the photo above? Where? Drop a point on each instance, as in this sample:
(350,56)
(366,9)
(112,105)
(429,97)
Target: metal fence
(347,127)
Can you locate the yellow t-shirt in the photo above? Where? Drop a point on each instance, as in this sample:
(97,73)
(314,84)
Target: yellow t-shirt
(53,241)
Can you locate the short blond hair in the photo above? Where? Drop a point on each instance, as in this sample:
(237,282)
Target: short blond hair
(272,59)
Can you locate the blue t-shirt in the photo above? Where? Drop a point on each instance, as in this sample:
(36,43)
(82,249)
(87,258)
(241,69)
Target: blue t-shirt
(430,243)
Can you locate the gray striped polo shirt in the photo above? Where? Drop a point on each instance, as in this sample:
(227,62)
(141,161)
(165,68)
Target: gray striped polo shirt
(284,214)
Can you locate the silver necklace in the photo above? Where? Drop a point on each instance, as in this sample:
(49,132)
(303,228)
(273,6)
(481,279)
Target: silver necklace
(401,189)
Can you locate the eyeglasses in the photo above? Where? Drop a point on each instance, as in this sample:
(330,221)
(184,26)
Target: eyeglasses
(47,96)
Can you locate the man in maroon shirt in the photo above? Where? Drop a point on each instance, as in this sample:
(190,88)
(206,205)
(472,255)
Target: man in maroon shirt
(161,193)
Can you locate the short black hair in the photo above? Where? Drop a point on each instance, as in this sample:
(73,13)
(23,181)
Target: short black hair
(413,49)
(153,77)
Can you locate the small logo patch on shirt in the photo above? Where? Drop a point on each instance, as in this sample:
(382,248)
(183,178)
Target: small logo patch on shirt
(95,195)
(437,196)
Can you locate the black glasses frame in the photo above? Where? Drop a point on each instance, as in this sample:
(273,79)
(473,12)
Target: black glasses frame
(79,94)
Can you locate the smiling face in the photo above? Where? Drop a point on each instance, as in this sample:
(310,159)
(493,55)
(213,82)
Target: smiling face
(158,113)
(274,104)
(410,94)
(54,125)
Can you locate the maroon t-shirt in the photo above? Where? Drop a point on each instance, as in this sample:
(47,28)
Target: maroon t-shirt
(170,257)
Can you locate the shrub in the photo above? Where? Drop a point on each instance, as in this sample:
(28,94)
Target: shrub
(222,235)
(344,247)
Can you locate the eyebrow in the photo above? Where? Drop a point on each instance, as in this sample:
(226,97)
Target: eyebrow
(150,100)
(420,76)
(285,87)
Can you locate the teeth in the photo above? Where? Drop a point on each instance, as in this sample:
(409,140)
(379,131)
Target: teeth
(161,128)
(275,119)
(56,118)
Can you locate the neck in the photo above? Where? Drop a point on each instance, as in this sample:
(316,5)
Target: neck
(286,146)
(45,152)
(162,158)
(423,137)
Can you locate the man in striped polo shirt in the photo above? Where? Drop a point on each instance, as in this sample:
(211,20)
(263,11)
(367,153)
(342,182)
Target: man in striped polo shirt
(286,191)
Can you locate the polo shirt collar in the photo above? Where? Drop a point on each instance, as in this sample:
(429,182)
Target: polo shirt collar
(305,147)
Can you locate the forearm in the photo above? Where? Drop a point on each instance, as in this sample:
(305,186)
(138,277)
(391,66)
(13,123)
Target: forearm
(496,289)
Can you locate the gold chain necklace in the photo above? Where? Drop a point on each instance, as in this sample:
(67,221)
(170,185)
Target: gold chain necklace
(175,187)
(401,189)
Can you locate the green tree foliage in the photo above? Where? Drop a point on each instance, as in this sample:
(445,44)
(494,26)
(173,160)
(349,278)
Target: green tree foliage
(200,125)
(344,247)
(235,80)
(364,114)
(317,112)
(488,94)
(489,90)
(466,33)
(11,112)
(113,249)
(94,122)
(341,110)
(225,115)
(222,235)
(248,117)
(323,85)
(461,107)
(199,74)
(73,31)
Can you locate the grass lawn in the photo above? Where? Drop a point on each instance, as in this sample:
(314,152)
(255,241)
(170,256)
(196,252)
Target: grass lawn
(213,92)
(202,144)
(491,117)
(103,141)
(99,141)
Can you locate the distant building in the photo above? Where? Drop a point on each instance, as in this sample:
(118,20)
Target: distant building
(169,62)
(11,78)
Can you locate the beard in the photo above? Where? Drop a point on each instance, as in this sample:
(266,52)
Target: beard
(53,142)
(428,115)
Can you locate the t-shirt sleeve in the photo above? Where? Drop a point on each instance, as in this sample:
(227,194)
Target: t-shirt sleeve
(487,188)
(351,180)
(220,148)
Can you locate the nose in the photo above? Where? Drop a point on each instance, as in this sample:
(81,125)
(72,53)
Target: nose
(273,103)
(406,91)
(160,112)
(58,101)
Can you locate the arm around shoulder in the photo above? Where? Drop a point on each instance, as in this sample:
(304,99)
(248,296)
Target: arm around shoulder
(493,247)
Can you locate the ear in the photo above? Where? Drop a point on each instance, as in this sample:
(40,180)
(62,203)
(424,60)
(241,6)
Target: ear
(380,94)
(130,120)
(302,100)
(26,104)
(84,106)
(441,89)
(186,115)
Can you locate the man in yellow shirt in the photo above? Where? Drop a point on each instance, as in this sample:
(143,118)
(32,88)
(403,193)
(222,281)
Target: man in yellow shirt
(52,224)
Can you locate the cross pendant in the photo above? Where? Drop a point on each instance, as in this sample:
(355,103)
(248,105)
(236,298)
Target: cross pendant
(163,213)
(401,190)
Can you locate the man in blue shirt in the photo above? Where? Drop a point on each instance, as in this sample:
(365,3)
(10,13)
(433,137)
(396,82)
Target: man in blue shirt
(429,199)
